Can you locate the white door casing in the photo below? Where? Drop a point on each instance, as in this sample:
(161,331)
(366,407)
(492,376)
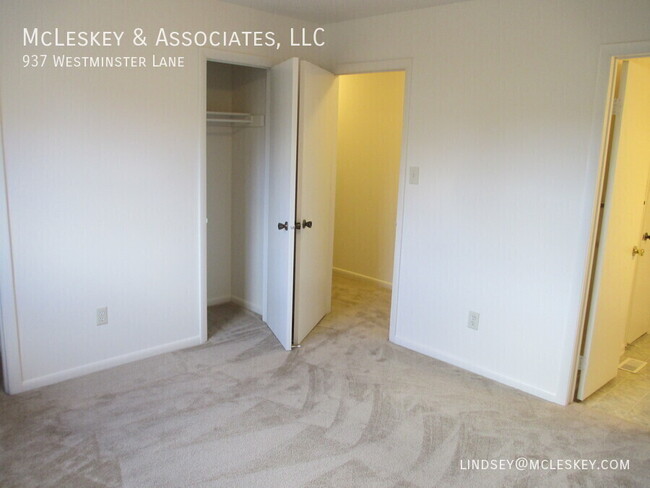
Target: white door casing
(9,333)
(318,114)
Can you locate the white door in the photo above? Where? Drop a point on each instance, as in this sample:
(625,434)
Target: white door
(639,319)
(301,186)
(315,201)
(615,263)
(283,143)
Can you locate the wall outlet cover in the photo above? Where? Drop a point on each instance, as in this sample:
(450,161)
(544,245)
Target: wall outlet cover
(102,316)
(472,321)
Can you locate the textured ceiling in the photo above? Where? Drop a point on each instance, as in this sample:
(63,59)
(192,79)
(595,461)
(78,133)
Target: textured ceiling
(328,11)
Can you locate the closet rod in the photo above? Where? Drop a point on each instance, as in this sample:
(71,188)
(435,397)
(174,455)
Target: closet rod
(234,118)
(230,121)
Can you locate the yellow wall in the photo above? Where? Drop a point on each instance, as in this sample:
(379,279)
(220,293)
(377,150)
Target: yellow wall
(369,148)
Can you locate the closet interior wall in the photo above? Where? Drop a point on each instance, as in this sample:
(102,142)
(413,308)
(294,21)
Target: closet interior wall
(235,160)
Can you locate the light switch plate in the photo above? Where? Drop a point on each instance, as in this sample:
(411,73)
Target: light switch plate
(414,175)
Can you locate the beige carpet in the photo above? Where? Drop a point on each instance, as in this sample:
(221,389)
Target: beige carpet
(349,409)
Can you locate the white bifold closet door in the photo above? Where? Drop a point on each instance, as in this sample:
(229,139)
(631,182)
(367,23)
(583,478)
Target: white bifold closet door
(302,163)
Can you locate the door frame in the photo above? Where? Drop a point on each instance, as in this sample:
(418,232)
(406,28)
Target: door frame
(406,65)
(9,330)
(597,158)
(226,57)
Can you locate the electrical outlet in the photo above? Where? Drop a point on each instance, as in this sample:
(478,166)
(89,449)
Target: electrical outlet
(472,321)
(102,316)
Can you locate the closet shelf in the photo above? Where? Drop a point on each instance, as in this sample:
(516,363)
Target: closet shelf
(234,118)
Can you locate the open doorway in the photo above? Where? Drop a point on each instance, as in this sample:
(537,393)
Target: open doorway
(369,151)
(618,317)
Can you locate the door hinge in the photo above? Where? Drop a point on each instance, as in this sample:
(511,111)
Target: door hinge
(581,363)
(618,105)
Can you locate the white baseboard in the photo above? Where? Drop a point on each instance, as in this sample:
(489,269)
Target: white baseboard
(219,300)
(487,373)
(359,276)
(67,374)
(246,304)
(250,306)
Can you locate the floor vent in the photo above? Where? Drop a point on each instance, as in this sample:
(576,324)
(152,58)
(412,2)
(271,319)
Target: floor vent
(632,365)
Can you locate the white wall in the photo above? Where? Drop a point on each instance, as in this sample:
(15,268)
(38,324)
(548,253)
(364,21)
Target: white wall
(500,118)
(218,157)
(219,207)
(102,170)
(248,197)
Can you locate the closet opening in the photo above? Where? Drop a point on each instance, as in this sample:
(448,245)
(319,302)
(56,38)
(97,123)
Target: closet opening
(235,154)
(369,153)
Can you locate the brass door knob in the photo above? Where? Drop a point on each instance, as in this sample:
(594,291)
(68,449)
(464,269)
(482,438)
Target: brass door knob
(636,250)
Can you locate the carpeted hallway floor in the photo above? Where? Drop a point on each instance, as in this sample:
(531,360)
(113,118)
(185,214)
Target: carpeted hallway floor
(349,409)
